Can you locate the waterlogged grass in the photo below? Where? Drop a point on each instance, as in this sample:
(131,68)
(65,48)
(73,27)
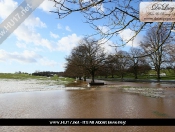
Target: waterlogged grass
(55,80)
(149,92)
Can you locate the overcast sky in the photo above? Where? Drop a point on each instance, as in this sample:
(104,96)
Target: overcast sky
(42,41)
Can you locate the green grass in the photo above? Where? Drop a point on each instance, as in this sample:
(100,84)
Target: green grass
(27,76)
(170,75)
(18,76)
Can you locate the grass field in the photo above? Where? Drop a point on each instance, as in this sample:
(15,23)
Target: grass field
(28,76)
(170,75)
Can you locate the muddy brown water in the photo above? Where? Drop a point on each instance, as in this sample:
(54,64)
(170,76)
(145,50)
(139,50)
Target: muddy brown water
(96,102)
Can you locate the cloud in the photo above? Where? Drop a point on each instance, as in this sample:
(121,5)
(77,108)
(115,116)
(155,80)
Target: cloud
(107,46)
(24,34)
(54,35)
(23,45)
(68,28)
(59,26)
(26,31)
(66,44)
(47,6)
(32,22)
(29,36)
(24,57)
(7,6)
(127,34)
(103,29)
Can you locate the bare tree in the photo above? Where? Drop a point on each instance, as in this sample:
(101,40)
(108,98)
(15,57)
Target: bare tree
(123,63)
(170,48)
(111,64)
(89,56)
(72,69)
(116,15)
(155,44)
(136,63)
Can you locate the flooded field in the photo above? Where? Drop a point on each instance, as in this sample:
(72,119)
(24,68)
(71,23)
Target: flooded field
(108,101)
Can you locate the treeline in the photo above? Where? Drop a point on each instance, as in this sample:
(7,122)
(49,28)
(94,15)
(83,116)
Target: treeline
(155,52)
(47,73)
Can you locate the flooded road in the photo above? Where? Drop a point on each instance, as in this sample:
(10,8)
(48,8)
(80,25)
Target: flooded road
(97,102)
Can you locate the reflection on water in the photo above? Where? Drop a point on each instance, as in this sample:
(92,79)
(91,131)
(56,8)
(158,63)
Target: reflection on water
(95,102)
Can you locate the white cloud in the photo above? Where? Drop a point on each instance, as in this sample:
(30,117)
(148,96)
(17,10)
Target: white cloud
(127,34)
(32,22)
(26,31)
(107,45)
(48,44)
(23,45)
(24,34)
(24,57)
(28,36)
(47,6)
(68,28)
(6,7)
(54,35)
(59,26)
(103,29)
(66,44)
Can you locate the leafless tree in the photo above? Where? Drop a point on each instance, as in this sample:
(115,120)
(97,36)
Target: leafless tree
(155,45)
(89,56)
(123,63)
(170,48)
(111,64)
(135,62)
(72,69)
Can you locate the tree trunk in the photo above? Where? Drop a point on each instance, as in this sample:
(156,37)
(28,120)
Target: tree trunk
(122,76)
(135,74)
(158,74)
(92,74)
(135,71)
(84,78)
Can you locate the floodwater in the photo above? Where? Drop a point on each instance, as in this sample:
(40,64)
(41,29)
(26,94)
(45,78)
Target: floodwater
(96,102)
